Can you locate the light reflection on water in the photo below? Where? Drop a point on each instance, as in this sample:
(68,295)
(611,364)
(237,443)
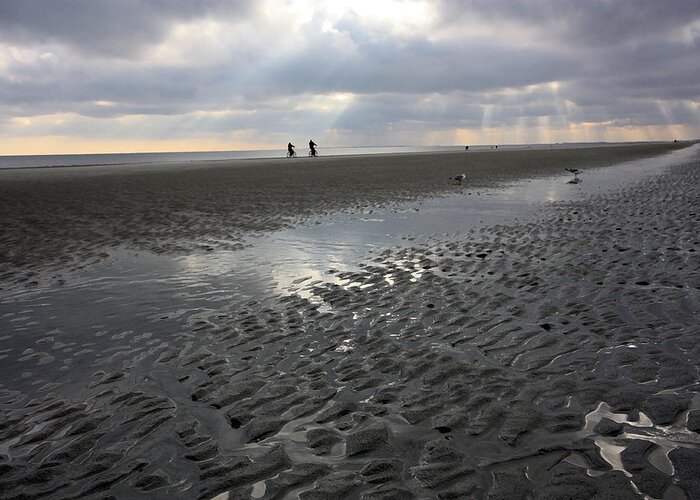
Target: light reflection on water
(667,438)
(130,291)
(339,242)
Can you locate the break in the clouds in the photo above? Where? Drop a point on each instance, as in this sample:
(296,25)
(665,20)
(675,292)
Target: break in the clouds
(98,75)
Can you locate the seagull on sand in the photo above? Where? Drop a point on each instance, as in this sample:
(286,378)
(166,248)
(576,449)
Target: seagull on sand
(459,178)
(574,171)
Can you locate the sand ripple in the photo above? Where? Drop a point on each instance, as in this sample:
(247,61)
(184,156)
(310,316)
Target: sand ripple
(552,358)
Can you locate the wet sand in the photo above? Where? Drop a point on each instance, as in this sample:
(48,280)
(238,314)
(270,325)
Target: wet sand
(73,215)
(555,357)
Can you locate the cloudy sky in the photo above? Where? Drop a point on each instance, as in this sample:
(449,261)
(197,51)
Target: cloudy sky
(192,75)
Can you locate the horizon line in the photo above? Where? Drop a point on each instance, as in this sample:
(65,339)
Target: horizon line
(283,148)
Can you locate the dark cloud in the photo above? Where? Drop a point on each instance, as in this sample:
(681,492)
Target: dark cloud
(574,22)
(106,27)
(417,65)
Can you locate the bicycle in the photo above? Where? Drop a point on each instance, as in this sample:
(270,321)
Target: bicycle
(291,154)
(313,154)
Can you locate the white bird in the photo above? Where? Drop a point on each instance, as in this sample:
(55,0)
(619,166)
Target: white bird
(459,178)
(574,171)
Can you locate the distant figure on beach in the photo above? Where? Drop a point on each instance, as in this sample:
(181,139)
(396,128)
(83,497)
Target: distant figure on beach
(466,148)
(459,178)
(312,148)
(290,150)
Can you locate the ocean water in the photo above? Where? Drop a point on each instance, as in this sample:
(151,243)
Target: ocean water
(34,161)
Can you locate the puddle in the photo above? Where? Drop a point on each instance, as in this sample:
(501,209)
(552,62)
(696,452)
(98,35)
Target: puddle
(339,242)
(258,489)
(667,438)
(129,293)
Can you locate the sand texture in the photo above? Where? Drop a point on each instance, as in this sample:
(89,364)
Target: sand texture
(73,215)
(555,357)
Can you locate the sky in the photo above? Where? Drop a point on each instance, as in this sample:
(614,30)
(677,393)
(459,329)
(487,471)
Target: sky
(90,76)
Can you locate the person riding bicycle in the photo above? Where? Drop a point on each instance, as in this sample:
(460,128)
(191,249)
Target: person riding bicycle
(290,150)
(312,148)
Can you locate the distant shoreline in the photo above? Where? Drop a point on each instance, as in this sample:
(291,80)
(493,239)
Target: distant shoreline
(15,162)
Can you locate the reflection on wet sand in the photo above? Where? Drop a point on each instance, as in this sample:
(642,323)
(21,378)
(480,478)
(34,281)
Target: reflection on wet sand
(467,346)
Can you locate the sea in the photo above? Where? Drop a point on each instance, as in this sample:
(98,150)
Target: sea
(66,160)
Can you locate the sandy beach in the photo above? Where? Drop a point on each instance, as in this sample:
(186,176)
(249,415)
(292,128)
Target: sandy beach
(71,215)
(552,356)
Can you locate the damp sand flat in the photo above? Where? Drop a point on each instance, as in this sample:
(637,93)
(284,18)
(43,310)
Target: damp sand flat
(555,356)
(71,215)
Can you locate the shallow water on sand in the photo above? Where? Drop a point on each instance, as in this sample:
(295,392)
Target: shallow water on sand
(340,241)
(132,291)
(98,325)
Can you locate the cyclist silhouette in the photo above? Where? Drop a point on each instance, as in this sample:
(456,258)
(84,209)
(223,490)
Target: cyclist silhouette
(290,150)
(312,148)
